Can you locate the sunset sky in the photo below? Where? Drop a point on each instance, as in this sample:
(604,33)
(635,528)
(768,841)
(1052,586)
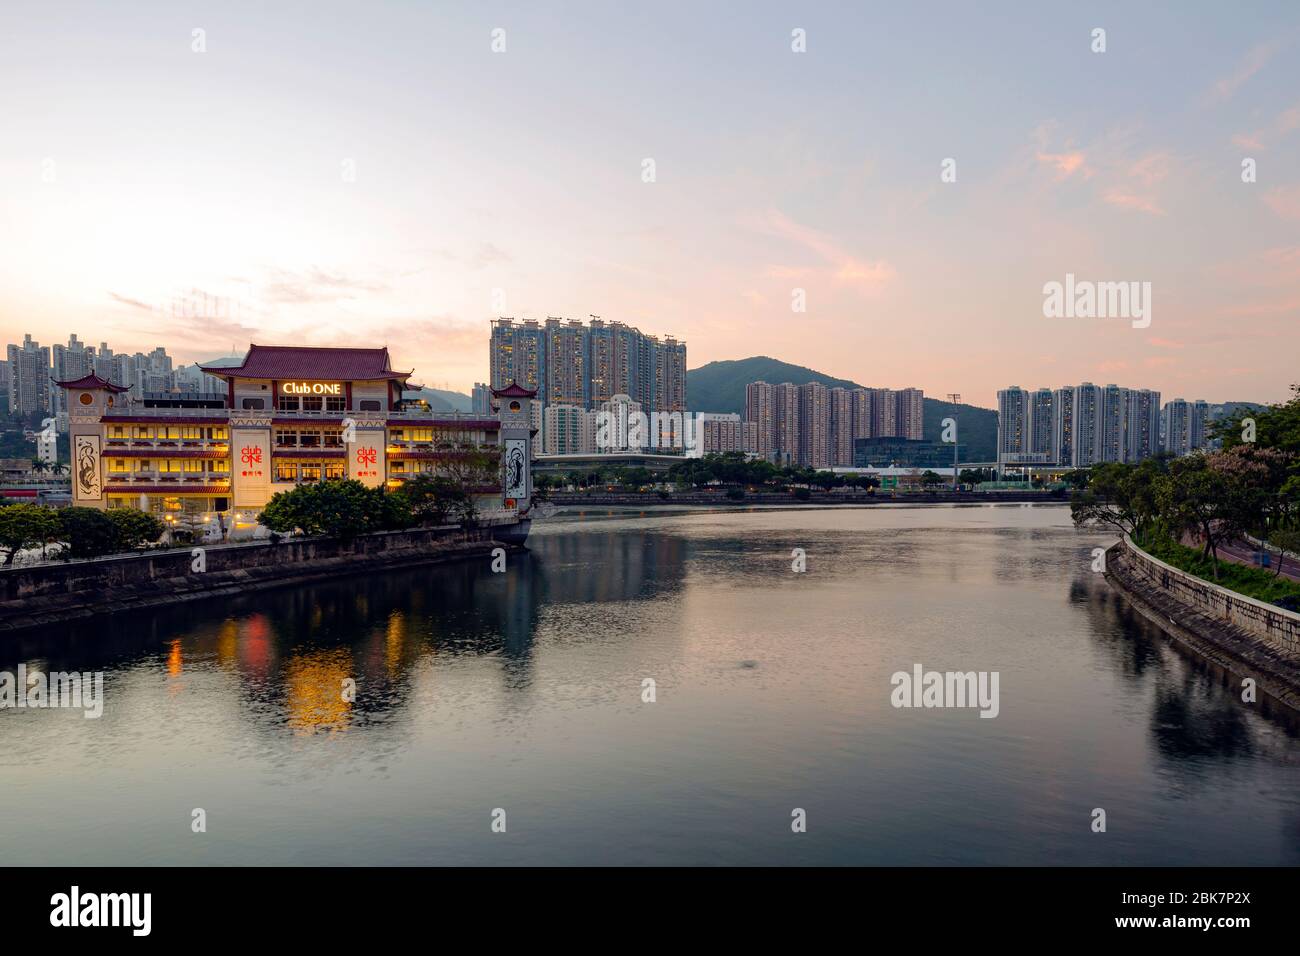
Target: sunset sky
(135,172)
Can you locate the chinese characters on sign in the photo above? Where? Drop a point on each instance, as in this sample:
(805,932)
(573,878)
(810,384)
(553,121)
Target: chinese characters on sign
(251,455)
(366,461)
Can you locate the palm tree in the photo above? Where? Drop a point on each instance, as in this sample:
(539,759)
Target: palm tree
(40,466)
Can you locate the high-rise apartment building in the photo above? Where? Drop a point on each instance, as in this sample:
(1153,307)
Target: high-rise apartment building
(1082,425)
(568,430)
(1142,422)
(760,411)
(69,362)
(841,401)
(884,413)
(722,434)
(816,426)
(909,414)
(1013,422)
(1184,426)
(1063,424)
(785,404)
(29,378)
(571,363)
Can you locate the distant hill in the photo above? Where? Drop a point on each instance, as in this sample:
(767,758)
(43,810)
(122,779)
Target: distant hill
(441,400)
(720,387)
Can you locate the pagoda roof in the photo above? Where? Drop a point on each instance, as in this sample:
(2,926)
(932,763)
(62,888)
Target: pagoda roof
(513,390)
(294,361)
(91,381)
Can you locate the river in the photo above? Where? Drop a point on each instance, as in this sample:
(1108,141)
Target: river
(521,698)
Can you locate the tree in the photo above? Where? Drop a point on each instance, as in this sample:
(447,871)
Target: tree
(1198,497)
(1119,496)
(929,478)
(1285,540)
(89,532)
(342,508)
(433,499)
(26,526)
(134,528)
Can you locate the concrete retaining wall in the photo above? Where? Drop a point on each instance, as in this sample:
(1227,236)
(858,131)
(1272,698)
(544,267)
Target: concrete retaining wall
(46,594)
(1276,626)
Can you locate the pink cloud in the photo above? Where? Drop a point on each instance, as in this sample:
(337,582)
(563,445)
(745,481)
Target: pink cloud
(1066,164)
(844,266)
(1125,200)
(1284,201)
(1254,61)
(1150,169)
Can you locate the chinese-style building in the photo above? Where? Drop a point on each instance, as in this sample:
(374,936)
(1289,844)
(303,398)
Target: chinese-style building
(291,415)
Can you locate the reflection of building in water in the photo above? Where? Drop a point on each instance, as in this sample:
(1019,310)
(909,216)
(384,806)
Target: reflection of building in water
(314,683)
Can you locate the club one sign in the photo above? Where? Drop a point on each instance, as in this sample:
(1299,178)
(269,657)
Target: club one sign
(311,388)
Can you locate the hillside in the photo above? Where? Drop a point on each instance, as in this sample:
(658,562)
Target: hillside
(720,387)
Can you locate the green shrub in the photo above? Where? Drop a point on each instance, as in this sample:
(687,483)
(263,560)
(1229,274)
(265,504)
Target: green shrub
(1242,578)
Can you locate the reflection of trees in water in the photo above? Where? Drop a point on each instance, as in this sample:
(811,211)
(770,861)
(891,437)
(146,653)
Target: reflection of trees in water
(1196,707)
(291,649)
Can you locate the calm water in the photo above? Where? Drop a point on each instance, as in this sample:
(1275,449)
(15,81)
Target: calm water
(523,691)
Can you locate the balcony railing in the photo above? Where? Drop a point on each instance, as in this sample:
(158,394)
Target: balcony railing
(135,411)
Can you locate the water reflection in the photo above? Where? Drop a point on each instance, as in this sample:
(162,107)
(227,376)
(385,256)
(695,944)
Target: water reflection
(773,687)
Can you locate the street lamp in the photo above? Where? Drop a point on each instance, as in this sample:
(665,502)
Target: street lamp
(954,398)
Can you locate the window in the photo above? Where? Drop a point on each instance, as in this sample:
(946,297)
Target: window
(167,466)
(288,403)
(253,403)
(286,437)
(191,432)
(218,433)
(334,469)
(310,472)
(369,405)
(117,431)
(313,403)
(334,403)
(286,471)
(421,434)
(117,465)
(140,431)
(193,465)
(143,464)
(309,439)
(170,432)
(86,398)
(333,439)
(397,467)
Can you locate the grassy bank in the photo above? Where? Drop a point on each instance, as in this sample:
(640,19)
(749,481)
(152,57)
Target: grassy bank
(1244,579)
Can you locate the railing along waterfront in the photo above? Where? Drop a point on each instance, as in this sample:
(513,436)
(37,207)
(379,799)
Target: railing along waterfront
(1276,625)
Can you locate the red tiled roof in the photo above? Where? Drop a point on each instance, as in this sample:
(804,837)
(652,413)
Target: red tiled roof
(292,361)
(91,381)
(514,390)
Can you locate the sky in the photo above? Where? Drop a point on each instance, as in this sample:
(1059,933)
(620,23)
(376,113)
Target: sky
(378,174)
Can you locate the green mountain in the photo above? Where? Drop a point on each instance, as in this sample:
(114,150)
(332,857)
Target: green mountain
(441,400)
(720,387)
